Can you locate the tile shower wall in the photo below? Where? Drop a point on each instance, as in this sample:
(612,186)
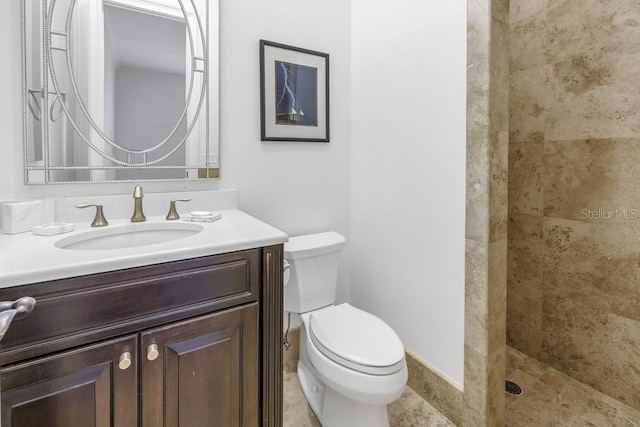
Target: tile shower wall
(574,197)
(486,212)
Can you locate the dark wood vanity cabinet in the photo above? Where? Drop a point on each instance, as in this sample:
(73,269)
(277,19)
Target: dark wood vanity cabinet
(206,372)
(187,344)
(83,387)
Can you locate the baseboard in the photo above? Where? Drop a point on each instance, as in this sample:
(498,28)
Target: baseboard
(435,387)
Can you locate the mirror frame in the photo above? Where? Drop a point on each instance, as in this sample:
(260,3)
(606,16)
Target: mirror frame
(40,171)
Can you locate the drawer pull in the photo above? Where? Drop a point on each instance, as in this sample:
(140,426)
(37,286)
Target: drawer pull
(9,309)
(152,352)
(125,361)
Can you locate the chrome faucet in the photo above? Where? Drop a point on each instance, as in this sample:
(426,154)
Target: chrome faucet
(138,215)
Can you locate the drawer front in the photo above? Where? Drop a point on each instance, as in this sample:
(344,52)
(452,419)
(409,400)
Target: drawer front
(118,302)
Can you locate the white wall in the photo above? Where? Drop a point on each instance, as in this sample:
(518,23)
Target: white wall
(299,187)
(11,101)
(408,172)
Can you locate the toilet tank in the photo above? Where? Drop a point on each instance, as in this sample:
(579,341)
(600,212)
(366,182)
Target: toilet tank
(314,260)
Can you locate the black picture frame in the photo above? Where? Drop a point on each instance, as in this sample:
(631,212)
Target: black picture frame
(294,93)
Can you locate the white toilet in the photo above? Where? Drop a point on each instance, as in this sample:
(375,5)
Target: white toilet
(351,363)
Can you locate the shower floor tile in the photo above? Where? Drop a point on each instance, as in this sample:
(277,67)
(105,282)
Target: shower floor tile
(551,398)
(408,411)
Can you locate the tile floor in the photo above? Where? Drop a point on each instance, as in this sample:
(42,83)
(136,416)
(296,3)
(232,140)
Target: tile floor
(408,411)
(550,399)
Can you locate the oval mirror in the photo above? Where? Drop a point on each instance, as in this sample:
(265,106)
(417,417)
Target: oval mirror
(127,92)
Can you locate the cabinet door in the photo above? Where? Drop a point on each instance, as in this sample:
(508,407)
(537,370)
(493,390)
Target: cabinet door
(87,387)
(204,372)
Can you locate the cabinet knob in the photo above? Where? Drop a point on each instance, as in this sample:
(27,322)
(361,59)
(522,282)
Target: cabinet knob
(125,361)
(152,352)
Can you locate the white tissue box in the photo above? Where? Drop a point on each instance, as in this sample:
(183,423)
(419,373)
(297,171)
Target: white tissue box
(20,217)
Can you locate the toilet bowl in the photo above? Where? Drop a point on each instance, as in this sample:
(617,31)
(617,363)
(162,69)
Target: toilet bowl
(351,362)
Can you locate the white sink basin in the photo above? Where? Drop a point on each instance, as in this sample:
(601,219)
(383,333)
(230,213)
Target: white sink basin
(129,236)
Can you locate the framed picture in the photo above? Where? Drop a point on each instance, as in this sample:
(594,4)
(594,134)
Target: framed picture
(294,93)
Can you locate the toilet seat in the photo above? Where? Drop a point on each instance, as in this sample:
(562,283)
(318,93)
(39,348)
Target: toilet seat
(356,339)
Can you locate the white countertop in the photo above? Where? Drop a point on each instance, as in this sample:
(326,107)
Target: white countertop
(26,258)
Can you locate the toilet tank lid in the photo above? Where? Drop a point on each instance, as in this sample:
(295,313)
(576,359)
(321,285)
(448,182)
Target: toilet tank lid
(313,244)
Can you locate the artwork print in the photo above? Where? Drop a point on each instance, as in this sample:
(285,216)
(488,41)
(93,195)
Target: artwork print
(296,94)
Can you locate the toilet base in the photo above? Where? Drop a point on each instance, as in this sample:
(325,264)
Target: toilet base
(334,409)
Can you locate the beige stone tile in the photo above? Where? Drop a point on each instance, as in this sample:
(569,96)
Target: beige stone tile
(524,283)
(601,349)
(497,297)
(526,178)
(478,105)
(434,387)
(495,386)
(525,319)
(499,83)
(594,264)
(296,411)
(500,10)
(526,248)
(552,382)
(627,417)
(509,400)
(477,185)
(601,410)
(531,98)
(533,367)
(591,26)
(515,358)
(556,399)
(596,97)
(592,180)
(487,119)
(523,10)
(581,422)
(485,296)
(535,409)
(476,306)
(498,185)
(576,396)
(478,39)
(528,31)
(410,410)
(484,401)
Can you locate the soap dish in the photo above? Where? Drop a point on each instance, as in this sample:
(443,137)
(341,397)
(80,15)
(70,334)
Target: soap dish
(52,229)
(199,216)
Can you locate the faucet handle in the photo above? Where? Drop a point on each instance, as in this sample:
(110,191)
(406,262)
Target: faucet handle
(137,192)
(173,213)
(99,220)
